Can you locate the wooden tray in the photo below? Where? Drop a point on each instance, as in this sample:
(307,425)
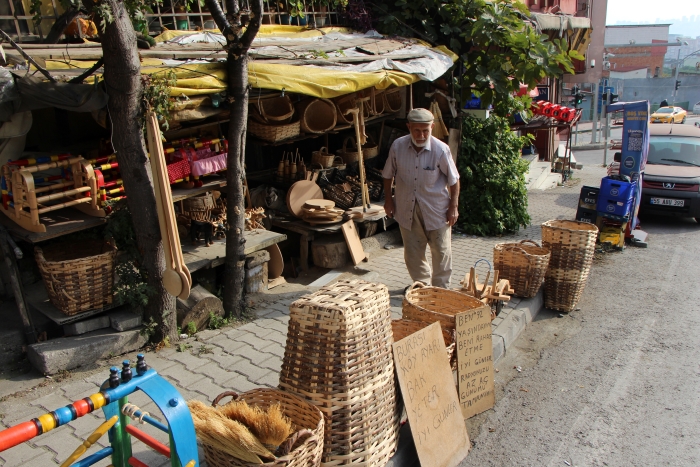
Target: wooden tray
(301,192)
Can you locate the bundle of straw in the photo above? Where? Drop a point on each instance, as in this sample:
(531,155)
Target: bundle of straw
(226,435)
(270,426)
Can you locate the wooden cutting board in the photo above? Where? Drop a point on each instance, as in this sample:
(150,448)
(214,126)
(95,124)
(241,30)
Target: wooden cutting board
(320,203)
(353,240)
(276,264)
(301,192)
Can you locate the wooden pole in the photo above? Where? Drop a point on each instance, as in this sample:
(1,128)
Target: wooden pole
(27,57)
(356,121)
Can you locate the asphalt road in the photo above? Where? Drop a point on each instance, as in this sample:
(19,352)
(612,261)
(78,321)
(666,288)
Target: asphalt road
(616,383)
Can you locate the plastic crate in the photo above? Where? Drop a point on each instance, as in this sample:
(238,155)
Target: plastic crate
(589,197)
(586,215)
(614,207)
(616,190)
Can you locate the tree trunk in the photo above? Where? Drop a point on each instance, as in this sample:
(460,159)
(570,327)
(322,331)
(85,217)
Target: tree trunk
(122,75)
(237,65)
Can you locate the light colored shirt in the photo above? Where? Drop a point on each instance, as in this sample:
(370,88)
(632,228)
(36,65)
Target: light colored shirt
(422,176)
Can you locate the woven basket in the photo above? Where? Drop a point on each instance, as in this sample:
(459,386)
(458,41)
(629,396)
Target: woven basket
(78,276)
(339,163)
(431,304)
(572,247)
(392,100)
(323,158)
(316,115)
(338,357)
(203,202)
(303,415)
(349,101)
(370,148)
(343,199)
(274,133)
(405,327)
(377,102)
(276,110)
(349,156)
(524,264)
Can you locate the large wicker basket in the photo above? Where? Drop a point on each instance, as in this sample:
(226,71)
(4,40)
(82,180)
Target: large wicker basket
(274,133)
(572,247)
(307,449)
(338,357)
(524,264)
(316,115)
(405,327)
(431,304)
(392,100)
(274,109)
(78,276)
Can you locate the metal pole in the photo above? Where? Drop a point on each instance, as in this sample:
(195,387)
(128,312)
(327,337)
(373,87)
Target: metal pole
(607,135)
(594,128)
(576,134)
(678,65)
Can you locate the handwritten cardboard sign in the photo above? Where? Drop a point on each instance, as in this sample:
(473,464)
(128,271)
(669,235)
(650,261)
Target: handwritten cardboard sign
(475,362)
(432,404)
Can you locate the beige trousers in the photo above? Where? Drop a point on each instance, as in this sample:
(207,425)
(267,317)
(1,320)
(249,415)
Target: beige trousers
(440,242)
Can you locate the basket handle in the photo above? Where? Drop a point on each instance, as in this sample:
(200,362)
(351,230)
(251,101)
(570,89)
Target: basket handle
(323,151)
(295,440)
(338,158)
(415,285)
(527,240)
(287,115)
(345,143)
(232,394)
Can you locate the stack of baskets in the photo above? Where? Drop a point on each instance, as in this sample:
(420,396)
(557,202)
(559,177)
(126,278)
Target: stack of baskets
(572,247)
(338,357)
(272,119)
(78,277)
(304,417)
(430,304)
(523,264)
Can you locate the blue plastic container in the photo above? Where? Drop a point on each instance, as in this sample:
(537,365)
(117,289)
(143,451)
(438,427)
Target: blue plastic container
(616,189)
(614,206)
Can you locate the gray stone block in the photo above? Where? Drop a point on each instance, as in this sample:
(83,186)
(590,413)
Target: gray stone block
(125,320)
(87,325)
(68,353)
(256,258)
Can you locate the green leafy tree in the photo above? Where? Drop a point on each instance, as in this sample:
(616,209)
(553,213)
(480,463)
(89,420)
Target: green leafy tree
(493,199)
(498,47)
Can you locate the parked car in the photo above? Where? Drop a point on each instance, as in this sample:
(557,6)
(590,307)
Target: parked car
(696,109)
(671,182)
(669,115)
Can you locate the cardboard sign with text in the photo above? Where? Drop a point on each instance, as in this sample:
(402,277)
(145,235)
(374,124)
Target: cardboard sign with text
(475,362)
(432,404)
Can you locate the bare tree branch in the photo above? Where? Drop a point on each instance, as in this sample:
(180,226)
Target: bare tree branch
(79,79)
(220,19)
(253,25)
(27,57)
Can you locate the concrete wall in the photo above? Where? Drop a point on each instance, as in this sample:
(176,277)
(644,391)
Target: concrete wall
(656,89)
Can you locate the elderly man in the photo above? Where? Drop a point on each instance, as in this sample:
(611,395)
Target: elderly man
(426,198)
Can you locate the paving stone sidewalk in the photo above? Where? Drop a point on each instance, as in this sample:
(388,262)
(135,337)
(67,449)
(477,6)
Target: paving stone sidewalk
(248,356)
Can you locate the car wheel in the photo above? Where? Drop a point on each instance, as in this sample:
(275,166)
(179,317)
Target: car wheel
(683,121)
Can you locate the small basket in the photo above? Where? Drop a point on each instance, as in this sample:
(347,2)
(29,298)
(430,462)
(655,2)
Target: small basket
(524,264)
(304,416)
(203,202)
(349,156)
(78,276)
(277,109)
(392,100)
(405,327)
(572,247)
(339,163)
(316,115)
(431,304)
(274,133)
(323,158)
(370,149)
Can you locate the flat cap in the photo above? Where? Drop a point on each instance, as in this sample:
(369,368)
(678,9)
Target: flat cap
(420,116)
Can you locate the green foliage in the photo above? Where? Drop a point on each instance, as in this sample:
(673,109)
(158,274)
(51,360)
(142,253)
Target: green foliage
(183,347)
(191,328)
(498,47)
(216,321)
(132,287)
(493,197)
(149,329)
(156,94)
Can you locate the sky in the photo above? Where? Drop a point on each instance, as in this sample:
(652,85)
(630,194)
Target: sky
(657,11)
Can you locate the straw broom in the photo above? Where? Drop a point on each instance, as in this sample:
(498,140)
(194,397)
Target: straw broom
(270,426)
(226,435)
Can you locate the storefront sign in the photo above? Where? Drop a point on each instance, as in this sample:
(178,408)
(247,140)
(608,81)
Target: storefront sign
(432,405)
(475,362)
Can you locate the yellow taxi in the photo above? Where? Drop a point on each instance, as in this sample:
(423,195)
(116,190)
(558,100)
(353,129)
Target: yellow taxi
(669,115)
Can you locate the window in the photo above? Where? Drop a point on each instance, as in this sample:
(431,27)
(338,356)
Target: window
(674,150)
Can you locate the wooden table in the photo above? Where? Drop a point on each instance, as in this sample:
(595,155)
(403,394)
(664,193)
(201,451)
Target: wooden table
(368,226)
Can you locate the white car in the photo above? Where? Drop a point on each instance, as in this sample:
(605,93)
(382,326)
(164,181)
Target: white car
(696,109)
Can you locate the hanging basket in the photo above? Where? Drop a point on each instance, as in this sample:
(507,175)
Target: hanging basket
(431,304)
(349,156)
(78,276)
(572,247)
(277,109)
(316,115)
(323,158)
(392,100)
(377,106)
(274,133)
(307,449)
(524,264)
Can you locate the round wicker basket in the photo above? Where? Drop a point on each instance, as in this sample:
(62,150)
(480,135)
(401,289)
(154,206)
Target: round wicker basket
(524,264)
(430,304)
(323,158)
(316,115)
(274,133)
(307,449)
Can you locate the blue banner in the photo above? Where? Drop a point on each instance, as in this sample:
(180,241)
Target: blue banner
(635,145)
